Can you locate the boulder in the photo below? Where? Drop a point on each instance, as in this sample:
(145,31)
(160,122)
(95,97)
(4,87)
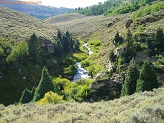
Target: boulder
(128,23)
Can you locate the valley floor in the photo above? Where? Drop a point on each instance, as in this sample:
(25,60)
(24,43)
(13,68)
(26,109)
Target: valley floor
(145,107)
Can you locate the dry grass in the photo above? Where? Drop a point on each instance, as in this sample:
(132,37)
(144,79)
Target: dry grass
(146,107)
(84,26)
(19,26)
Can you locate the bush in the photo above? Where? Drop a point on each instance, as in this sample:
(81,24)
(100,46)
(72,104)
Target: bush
(78,90)
(85,63)
(61,82)
(19,52)
(50,97)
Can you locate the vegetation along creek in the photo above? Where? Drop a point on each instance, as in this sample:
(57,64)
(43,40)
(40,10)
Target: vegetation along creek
(81,72)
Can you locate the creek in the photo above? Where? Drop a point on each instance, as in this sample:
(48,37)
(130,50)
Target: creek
(81,72)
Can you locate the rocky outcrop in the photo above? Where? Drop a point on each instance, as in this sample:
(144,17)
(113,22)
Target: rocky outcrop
(109,24)
(151,18)
(128,23)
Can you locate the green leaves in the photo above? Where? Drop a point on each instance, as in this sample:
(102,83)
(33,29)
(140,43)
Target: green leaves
(19,53)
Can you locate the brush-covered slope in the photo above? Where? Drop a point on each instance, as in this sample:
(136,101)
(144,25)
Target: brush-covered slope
(16,25)
(80,25)
(145,107)
(37,11)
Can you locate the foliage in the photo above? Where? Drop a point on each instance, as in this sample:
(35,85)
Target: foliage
(113,7)
(33,47)
(130,50)
(148,9)
(45,85)
(118,39)
(85,63)
(50,97)
(61,82)
(159,40)
(78,90)
(132,74)
(140,28)
(19,53)
(147,78)
(65,44)
(26,97)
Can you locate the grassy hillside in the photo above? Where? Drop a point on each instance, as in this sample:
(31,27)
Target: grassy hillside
(37,11)
(85,26)
(145,107)
(16,25)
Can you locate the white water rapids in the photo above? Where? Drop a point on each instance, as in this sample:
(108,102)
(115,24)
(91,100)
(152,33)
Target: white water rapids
(81,72)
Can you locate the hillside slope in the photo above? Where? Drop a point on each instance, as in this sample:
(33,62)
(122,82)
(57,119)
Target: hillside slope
(142,107)
(16,25)
(37,11)
(84,26)
(102,29)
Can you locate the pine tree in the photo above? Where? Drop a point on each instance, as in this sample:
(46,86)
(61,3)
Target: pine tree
(45,85)
(26,97)
(59,48)
(117,39)
(147,78)
(130,50)
(129,86)
(159,40)
(33,46)
(59,35)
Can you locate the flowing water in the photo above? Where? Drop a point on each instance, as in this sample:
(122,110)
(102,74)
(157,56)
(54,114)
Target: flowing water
(81,72)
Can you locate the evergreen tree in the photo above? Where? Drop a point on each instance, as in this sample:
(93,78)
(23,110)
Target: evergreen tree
(45,85)
(59,48)
(26,97)
(130,50)
(118,39)
(147,78)
(159,40)
(66,44)
(59,35)
(33,46)
(129,86)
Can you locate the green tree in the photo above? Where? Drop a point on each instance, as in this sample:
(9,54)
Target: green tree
(59,36)
(19,52)
(59,48)
(132,74)
(159,40)
(118,39)
(130,49)
(147,78)
(1,54)
(45,85)
(26,97)
(33,47)
(66,44)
